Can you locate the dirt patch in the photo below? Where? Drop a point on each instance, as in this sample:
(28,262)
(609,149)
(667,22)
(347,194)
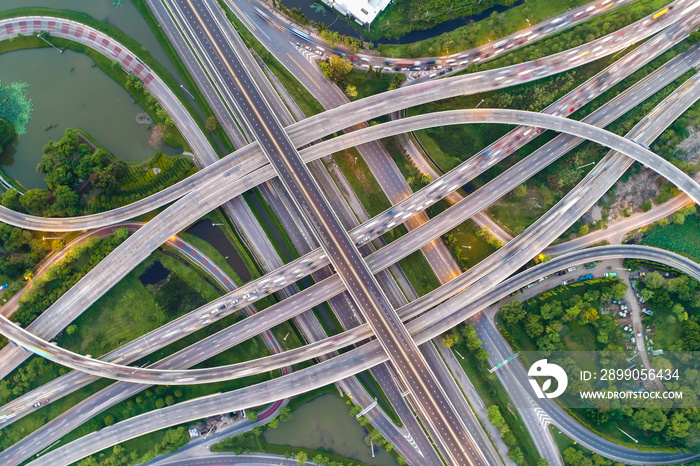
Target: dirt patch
(637,189)
(690,147)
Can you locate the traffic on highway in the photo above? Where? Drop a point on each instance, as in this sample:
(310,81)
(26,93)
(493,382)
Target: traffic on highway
(345,290)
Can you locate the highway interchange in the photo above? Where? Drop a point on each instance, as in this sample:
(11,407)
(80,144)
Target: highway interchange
(628,148)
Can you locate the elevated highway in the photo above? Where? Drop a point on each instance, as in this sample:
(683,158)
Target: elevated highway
(361,359)
(181,327)
(345,116)
(579,129)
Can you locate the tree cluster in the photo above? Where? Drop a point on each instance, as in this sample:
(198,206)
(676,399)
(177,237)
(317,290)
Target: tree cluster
(70,167)
(335,68)
(544,319)
(20,250)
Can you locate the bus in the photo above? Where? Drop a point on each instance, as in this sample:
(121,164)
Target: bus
(300,33)
(661,13)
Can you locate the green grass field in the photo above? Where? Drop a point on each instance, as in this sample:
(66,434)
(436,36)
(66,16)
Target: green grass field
(683,239)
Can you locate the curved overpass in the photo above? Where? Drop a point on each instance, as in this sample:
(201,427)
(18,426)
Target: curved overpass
(363,358)
(618,105)
(319,126)
(576,128)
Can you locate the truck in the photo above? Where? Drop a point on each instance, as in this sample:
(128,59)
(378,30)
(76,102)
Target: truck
(585,277)
(610,275)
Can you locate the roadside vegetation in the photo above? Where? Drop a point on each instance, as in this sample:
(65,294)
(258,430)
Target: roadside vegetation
(162,443)
(464,340)
(404,16)
(304,99)
(680,234)
(62,275)
(176,61)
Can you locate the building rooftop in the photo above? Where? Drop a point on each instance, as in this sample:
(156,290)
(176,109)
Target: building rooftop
(363,11)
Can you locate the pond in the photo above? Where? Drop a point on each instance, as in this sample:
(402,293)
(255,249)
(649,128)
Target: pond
(325,423)
(156,273)
(67,91)
(126,17)
(206,230)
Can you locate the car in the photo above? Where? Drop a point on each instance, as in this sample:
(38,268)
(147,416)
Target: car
(298,44)
(223,306)
(36,405)
(246,296)
(45,402)
(234,302)
(561,272)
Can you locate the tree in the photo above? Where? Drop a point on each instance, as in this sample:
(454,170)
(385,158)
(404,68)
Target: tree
(519,191)
(448,340)
(71,329)
(617,291)
(646,205)
(285,414)
(7,133)
(653,280)
(551,310)
(274,422)
(211,124)
(495,416)
(109,420)
(590,315)
(35,201)
(481,355)
(678,218)
(516,454)
(351,91)
(513,311)
(653,420)
(335,68)
(542,462)
(302,456)
(11,200)
(252,416)
(160,403)
(169,400)
(583,230)
(677,427)
(66,201)
(695,37)
(533,325)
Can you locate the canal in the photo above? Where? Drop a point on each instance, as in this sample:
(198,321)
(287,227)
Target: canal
(325,424)
(338,23)
(207,231)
